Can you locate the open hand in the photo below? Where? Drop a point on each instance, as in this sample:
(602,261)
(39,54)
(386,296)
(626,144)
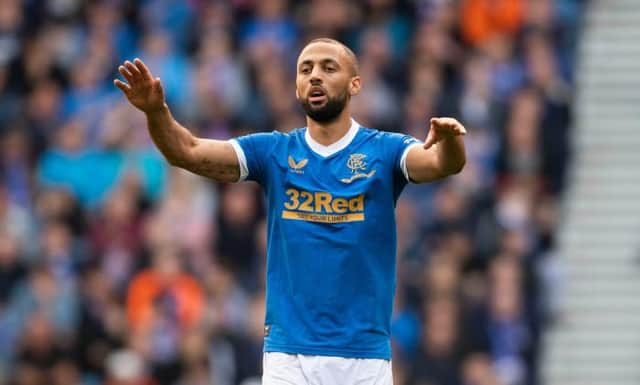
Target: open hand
(441,128)
(142,90)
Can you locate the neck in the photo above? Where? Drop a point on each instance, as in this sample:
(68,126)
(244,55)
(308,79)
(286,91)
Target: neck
(331,132)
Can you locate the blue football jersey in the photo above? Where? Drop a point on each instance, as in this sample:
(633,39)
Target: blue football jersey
(331,238)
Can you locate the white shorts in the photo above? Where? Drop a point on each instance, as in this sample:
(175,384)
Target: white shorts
(298,369)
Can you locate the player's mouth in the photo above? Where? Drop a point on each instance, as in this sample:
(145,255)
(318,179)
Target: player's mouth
(317,95)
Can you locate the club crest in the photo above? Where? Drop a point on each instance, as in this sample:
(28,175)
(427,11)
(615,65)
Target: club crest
(357,164)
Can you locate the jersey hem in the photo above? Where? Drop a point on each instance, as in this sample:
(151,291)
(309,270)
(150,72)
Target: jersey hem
(330,352)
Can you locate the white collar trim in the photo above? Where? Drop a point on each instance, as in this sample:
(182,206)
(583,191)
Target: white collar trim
(334,147)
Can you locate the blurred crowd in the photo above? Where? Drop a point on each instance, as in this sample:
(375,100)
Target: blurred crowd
(117,269)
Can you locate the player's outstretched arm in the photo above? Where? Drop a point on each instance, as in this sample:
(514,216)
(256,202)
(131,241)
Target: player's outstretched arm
(441,155)
(215,159)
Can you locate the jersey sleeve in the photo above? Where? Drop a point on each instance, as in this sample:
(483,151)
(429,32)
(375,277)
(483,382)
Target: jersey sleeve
(253,151)
(399,145)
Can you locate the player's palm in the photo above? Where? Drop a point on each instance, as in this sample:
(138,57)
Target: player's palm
(142,90)
(146,96)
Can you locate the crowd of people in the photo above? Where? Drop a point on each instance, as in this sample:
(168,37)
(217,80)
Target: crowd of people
(117,269)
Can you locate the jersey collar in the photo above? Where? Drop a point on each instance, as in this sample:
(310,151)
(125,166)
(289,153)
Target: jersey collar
(334,147)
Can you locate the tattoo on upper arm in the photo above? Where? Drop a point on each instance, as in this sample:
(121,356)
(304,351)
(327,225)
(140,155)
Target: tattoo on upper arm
(216,170)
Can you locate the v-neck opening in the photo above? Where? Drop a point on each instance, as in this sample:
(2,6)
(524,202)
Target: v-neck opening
(325,152)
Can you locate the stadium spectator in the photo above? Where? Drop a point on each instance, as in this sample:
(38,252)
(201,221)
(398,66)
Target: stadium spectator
(483,19)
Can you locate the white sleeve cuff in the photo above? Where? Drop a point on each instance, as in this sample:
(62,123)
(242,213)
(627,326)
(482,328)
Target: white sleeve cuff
(242,160)
(403,161)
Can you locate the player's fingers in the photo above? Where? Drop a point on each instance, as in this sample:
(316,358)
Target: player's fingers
(127,75)
(144,70)
(444,122)
(457,127)
(431,138)
(449,125)
(135,72)
(157,84)
(429,143)
(435,122)
(122,85)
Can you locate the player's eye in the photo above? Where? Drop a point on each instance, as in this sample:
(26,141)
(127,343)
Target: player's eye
(330,69)
(305,70)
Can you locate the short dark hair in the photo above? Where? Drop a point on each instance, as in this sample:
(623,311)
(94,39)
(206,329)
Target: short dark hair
(352,56)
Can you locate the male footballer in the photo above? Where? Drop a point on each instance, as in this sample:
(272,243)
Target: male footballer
(331,189)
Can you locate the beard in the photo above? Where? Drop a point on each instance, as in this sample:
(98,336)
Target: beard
(329,111)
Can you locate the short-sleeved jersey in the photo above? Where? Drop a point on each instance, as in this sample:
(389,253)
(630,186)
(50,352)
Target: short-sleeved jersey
(331,238)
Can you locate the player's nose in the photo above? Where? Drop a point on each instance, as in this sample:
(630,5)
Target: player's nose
(315,81)
(315,75)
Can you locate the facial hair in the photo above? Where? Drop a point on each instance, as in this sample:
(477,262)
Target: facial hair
(328,112)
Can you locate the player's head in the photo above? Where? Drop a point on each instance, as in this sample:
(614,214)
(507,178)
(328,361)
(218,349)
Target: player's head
(326,78)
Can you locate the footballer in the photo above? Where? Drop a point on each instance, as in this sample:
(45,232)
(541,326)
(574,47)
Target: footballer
(331,189)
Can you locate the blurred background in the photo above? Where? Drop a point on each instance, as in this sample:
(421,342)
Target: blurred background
(117,269)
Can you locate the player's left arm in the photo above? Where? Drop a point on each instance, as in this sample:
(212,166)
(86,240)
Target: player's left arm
(442,154)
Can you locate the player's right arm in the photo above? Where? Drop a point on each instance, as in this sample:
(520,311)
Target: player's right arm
(215,159)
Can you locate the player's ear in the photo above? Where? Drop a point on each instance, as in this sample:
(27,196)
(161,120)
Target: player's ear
(354,85)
